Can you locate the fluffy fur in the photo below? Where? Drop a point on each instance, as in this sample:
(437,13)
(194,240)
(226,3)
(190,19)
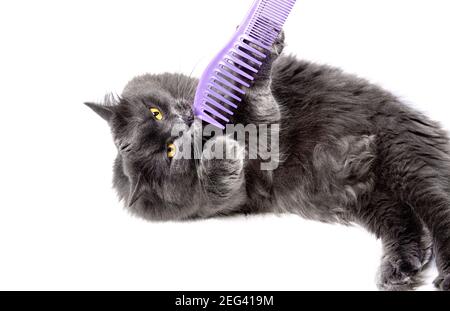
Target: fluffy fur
(351,152)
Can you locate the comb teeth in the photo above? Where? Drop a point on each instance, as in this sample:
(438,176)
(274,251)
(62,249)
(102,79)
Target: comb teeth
(225,80)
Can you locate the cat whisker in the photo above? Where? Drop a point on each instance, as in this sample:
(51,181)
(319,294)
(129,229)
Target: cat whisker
(179,90)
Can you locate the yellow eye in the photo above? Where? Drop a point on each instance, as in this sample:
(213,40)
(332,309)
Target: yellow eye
(157,114)
(171,150)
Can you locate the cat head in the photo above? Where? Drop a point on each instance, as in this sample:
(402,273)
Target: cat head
(153,183)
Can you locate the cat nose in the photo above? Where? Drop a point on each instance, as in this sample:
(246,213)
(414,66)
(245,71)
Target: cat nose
(178,135)
(188,120)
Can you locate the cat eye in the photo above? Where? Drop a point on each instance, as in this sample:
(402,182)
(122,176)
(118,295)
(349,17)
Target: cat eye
(157,114)
(171,150)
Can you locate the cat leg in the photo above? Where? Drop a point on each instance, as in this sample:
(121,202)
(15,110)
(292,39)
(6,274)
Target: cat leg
(433,206)
(407,246)
(259,105)
(415,165)
(221,174)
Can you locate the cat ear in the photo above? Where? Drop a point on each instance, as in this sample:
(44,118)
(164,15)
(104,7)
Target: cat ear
(135,190)
(104,111)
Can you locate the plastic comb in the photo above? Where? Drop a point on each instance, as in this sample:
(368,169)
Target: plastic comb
(227,77)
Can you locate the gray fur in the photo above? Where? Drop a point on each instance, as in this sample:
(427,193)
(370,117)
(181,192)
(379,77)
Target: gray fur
(351,152)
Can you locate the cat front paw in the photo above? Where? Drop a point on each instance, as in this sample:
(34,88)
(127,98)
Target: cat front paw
(399,274)
(221,168)
(442,282)
(266,69)
(278,46)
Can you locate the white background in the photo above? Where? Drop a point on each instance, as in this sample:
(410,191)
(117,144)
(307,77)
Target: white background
(61,226)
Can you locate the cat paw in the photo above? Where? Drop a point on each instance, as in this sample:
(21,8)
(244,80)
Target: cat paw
(442,282)
(278,46)
(399,274)
(263,75)
(221,171)
(222,161)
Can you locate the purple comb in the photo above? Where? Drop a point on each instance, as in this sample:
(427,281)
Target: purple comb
(226,78)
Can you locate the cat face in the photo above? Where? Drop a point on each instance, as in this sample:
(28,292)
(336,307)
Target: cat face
(147,175)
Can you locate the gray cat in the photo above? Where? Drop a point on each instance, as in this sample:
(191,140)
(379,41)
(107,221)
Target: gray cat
(350,152)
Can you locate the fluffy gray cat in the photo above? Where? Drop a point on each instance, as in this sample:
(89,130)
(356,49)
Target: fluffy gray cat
(351,152)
